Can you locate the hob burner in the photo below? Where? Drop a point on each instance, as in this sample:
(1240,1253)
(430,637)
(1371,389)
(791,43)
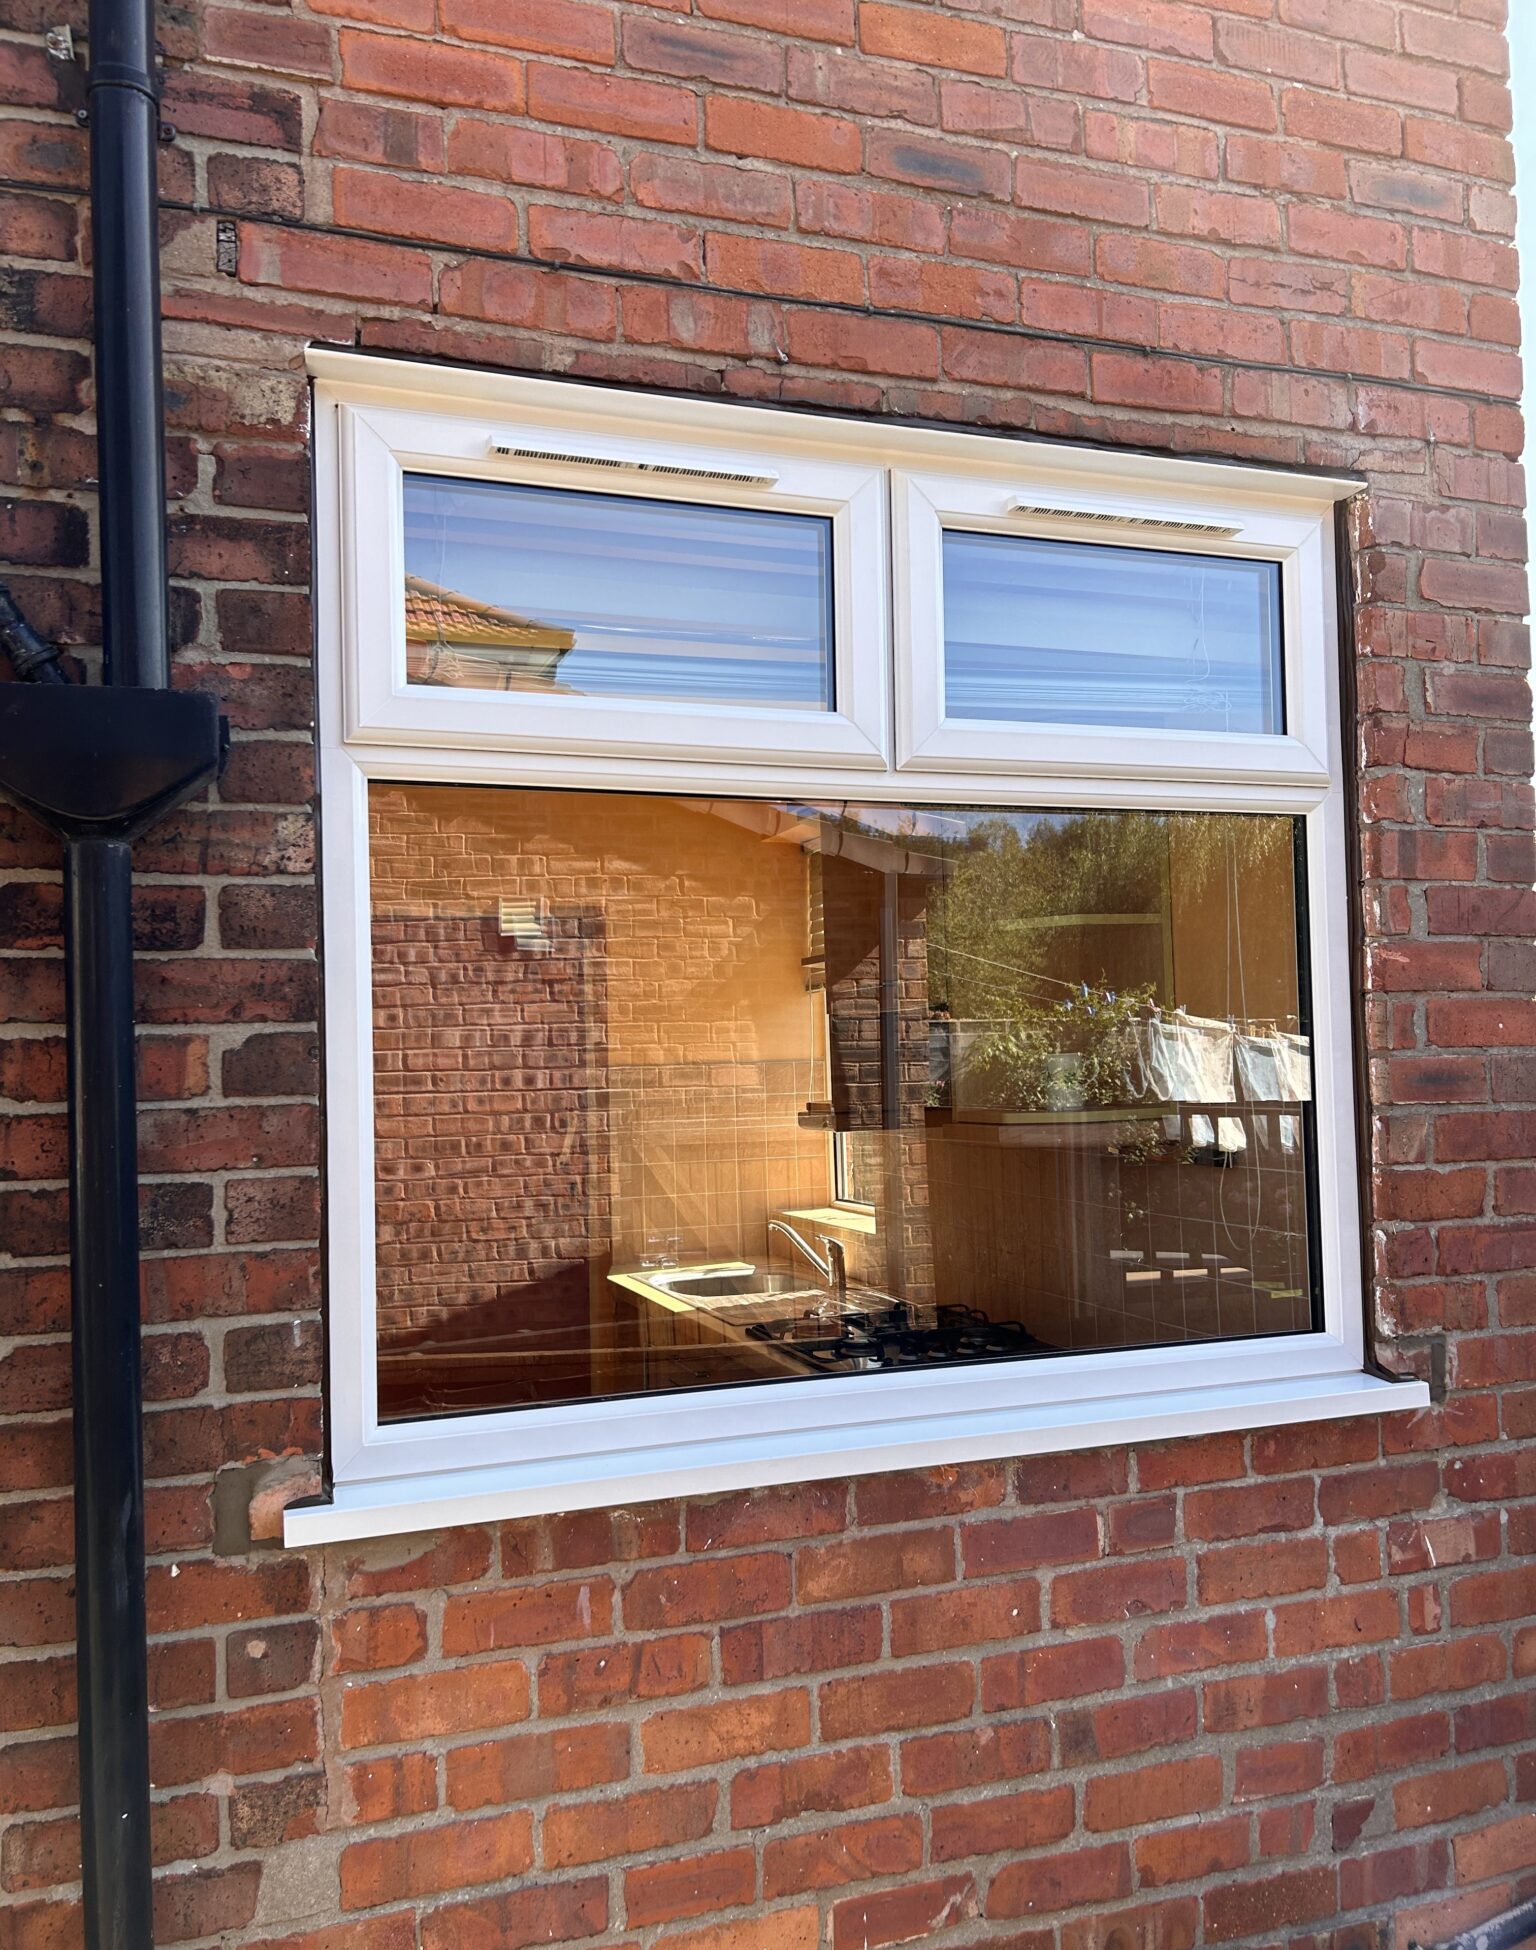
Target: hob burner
(862,1339)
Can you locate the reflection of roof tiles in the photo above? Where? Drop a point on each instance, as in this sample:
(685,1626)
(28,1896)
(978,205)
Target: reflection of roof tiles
(437,615)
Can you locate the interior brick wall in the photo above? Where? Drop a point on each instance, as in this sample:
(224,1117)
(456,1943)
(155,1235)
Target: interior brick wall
(1272,1690)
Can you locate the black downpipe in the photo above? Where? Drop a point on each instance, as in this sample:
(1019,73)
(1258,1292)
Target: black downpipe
(1502,1932)
(130,418)
(110,1633)
(99,765)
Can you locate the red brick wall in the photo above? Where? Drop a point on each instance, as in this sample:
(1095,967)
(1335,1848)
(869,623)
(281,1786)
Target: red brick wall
(1273,1690)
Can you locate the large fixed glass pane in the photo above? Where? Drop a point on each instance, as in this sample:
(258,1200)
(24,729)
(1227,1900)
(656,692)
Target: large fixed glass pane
(612,595)
(1074,633)
(674,1093)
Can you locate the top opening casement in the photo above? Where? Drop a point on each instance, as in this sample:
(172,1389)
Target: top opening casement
(835,947)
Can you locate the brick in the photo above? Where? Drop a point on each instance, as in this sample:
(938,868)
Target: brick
(610,242)
(1213,96)
(834,78)
(849,1852)
(901,1915)
(1132,1726)
(1496,1848)
(818,1643)
(1285,1767)
(431,71)
(345,267)
(647,110)
(601,1676)
(1030,1542)
(257,1739)
(560,1912)
(1487,1597)
(976,1616)
(540,158)
(833,22)
(1164,29)
(916,34)
(378,1637)
(704,1736)
(1363,1618)
(690,1886)
(1232,1638)
(205,1903)
(428,1861)
(1237,1910)
(392,1786)
(1031,1819)
(634,1824)
(789,135)
(371,200)
(863,1566)
(298,47)
(536,1764)
(1183,1854)
(565,29)
(1050,1672)
(1049,1883)
(1118,1592)
(533,1615)
(882,1702)
(425,1705)
(1124,379)
(839,209)
(1265,1699)
(940,1762)
(1155,1793)
(1448,1795)
(853,1777)
(752,196)
(934,165)
(721,1588)
(366,133)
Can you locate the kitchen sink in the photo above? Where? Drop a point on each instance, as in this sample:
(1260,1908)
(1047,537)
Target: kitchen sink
(743,1282)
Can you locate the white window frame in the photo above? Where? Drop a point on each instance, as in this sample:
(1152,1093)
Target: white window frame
(545,441)
(1168,516)
(373,417)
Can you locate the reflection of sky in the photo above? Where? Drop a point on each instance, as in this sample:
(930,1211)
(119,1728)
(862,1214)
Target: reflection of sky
(666,599)
(1070,632)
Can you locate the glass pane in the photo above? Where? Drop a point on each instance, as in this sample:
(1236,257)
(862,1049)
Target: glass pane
(1070,633)
(632,1050)
(612,595)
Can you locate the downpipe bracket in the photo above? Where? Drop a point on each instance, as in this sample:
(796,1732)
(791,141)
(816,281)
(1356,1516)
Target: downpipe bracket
(90,760)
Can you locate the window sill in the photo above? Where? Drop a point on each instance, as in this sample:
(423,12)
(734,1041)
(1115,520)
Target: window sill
(389,1507)
(835,1218)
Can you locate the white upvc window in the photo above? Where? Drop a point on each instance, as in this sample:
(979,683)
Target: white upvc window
(835,944)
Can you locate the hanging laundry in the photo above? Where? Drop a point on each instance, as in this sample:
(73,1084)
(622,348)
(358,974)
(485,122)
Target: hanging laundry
(1208,1046)
(1258,1069)
(1274,1068)
(1185,1059)
(1296,1068)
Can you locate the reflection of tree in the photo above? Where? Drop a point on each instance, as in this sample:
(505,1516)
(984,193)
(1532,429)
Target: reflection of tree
(1069,990)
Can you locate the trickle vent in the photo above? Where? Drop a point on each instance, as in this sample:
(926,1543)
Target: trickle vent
(1164,525)
(620,464)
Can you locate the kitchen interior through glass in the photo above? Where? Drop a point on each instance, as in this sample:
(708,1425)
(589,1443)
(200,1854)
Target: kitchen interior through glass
(676,1093)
